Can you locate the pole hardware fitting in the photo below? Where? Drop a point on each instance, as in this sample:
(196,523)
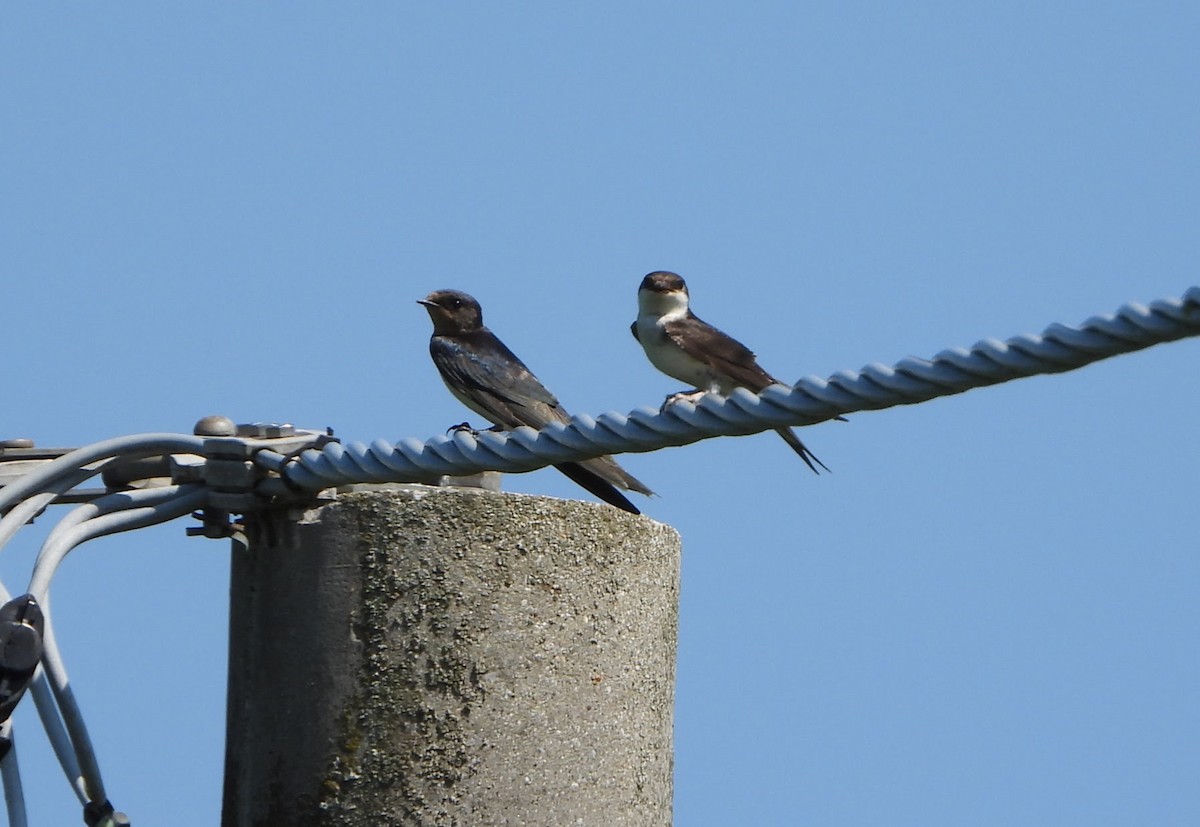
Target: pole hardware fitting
(101,814)
(19,457)
(22,626)
(232,477)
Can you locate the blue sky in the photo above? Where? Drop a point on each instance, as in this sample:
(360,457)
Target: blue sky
(986,615)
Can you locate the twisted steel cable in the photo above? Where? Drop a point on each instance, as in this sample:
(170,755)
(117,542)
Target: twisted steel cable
(1059,348)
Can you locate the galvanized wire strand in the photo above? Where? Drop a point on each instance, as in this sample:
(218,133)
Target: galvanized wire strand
(10,771)
(83,459)
(56,730)
(55,482)
(55,701)
(32,493)
(31,506)
(83,772)
(107,515)
(1059,348)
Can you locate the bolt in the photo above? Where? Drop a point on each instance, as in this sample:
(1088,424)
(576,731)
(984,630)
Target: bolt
(215,426)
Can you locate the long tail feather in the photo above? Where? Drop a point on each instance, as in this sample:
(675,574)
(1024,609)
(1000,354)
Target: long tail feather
(593,483)
(799,447)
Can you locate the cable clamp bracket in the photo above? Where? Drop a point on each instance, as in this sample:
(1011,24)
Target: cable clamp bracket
(228,470)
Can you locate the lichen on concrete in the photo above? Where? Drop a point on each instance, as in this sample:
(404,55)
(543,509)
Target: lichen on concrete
(513,661)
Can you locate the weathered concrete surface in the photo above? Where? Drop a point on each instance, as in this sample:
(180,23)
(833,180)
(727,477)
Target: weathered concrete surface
(454,657)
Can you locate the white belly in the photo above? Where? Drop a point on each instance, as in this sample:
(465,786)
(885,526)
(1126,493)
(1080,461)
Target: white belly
(665,355)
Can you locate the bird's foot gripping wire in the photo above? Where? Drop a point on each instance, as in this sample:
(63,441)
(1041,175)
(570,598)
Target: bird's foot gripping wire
(682,396)
(465,428)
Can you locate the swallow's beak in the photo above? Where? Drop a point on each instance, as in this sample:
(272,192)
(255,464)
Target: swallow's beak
(426,303)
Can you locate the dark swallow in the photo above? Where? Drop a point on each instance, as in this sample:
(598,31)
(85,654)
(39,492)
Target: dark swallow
(686,348)
(489,379)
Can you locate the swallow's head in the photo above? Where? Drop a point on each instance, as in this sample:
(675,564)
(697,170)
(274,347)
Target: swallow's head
(662,293)
(453,312)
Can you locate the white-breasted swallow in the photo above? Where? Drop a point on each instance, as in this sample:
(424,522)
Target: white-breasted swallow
(489,379)
(686,348)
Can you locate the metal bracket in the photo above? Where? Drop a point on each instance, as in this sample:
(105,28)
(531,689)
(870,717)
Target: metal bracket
(230,473)
(226,467)
(19,457)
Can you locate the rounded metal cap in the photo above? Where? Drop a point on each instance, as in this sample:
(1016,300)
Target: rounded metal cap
(215,426)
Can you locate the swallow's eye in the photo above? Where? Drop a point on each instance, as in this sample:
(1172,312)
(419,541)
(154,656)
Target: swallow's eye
(455,304)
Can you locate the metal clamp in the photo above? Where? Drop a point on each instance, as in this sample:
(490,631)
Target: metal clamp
(21,628)
(229,472)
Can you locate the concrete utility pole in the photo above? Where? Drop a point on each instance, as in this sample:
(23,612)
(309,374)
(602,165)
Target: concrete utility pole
(453,657)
